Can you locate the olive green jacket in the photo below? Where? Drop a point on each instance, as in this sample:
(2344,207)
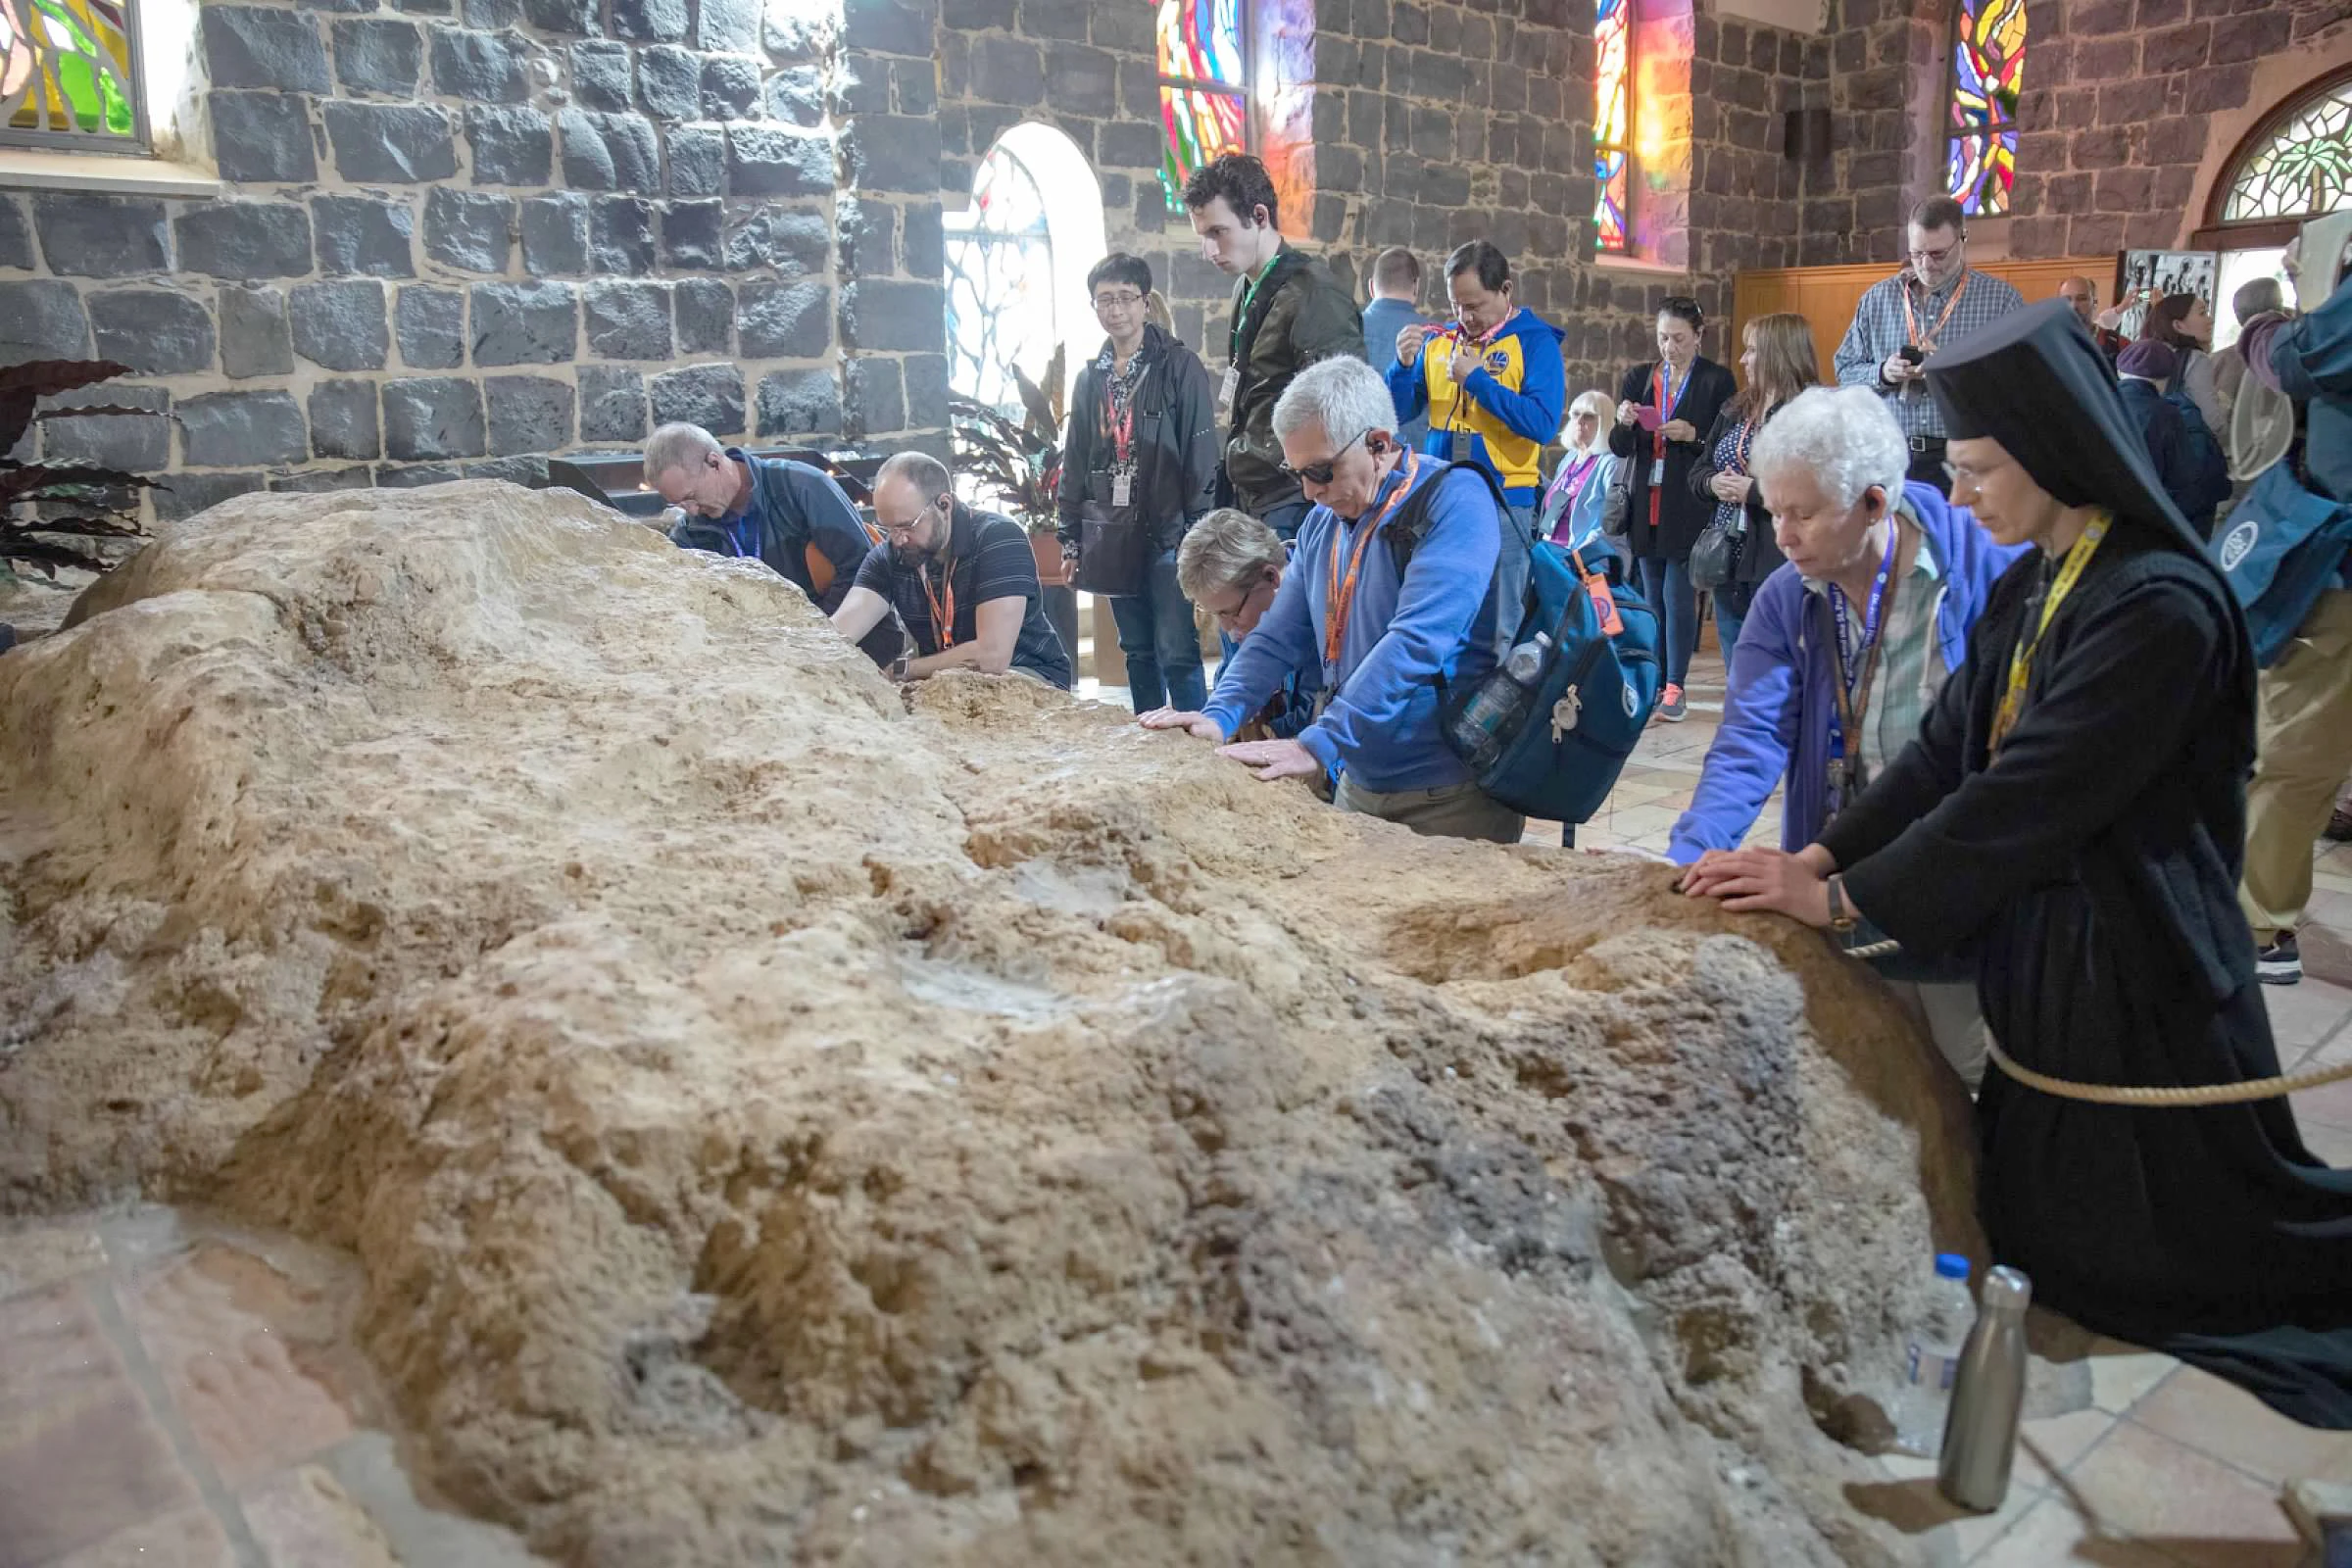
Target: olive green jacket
(1299,314)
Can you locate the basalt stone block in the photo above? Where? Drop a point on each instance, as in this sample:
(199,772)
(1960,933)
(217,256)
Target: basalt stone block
(262,136)
(433,417)
(601,74)
(524,323)
(868,232)
(799,402)
(555,235)
(731,88)
(977,16)
(669,83)
(886,27)
(628,320)
(896,152)
(131,442)
(612,404)
(414,475)
(1128,145)
(575,16)
(649,21)
(876,403)
(770,161)
(728,26)
(315,481)
(16,235)
(796,35)
(258,46)
(794,241)
(391,143)
(183,495)
(694,234)
(101,237)
(708,395)
(224,429)
(924,249)
(1007,70)
(530,472)
(698,161)
(509,146)
(621,235)
(705,313)
(1055,18)
(343,421)
(362,236)
(796,96)
(927,391)
(610,152)
(486,67)
(491,15)
(155,331)
(883,315)
(340,325)
(783,320)
(1086,81)
(528,414)
(253,339)
(431,323)
(379,54)
(469,230)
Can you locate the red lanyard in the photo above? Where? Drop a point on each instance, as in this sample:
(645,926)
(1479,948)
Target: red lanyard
(1456,390)
(1658,384)
(1120,423)
(943,621)
(1911,333)
(1339,598)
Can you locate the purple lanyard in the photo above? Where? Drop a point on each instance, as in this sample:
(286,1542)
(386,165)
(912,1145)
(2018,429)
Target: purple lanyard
(1852,670)
(747,524)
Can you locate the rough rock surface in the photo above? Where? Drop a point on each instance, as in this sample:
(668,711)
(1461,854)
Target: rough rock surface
(781,1122)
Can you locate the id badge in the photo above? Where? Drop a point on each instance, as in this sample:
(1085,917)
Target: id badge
(1461,446)
(1227,390)
(1657,472)
(1122,489)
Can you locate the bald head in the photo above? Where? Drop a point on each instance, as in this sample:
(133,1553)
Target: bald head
(2083,295)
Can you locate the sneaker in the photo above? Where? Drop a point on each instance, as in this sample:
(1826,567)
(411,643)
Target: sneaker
(2340,826)
(2280,964)
(1672,710)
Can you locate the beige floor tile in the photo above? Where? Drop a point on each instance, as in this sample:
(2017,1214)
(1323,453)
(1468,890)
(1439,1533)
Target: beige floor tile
(34,1257)
(2120,1373)
(2333,1144)
(2224,1421)
(188,1538)
(303,1518)
(2056,1442)
(2302,1015)
(2329,1102)
(2189,1505)
(2052,1534)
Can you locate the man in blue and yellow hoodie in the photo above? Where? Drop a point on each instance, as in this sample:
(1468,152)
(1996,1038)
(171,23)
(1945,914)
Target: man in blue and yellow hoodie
(1495,389)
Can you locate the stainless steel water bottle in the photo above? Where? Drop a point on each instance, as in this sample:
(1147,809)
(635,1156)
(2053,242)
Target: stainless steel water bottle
(1979,1434)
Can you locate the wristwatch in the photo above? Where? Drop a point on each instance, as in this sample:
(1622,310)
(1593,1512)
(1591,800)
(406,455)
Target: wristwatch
(1842,914)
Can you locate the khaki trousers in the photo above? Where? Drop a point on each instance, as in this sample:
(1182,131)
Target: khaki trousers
(2303,739)
(1459,812)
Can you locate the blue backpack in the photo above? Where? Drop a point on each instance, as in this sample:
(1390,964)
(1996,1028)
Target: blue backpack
(1564,738)
(2280,549)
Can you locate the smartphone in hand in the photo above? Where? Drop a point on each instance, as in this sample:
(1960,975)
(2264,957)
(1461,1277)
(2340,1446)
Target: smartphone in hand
(1646,417)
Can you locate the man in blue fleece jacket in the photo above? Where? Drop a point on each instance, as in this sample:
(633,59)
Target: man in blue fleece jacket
(1383,643)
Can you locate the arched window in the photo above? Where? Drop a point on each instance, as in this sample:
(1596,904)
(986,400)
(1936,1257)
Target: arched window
(70,76)
(2295,165)
(1203,88)
(1016,260)
(1613,123)
(1988,57)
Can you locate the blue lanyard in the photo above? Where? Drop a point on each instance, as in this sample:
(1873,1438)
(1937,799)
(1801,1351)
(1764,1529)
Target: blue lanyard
(737,531)
(1853,663)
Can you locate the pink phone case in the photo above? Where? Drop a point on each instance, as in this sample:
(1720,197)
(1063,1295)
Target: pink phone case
(1646,417)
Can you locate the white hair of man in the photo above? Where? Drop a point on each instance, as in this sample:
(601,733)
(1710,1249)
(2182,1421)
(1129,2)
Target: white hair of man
(1845,437)
(677,446)
(1343,397)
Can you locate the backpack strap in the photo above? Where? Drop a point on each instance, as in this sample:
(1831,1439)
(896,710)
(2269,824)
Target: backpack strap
(1405,531)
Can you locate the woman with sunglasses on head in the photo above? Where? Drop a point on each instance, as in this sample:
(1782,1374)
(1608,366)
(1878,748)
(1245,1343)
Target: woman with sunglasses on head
(1664,411)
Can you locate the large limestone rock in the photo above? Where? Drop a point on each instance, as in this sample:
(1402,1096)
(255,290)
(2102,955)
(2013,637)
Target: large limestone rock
(783,1122)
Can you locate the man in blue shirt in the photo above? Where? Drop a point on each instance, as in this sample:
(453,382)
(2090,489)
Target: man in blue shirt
(1395,306)
(1384,644)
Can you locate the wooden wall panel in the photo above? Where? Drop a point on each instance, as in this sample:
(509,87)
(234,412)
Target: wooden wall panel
(1825,296)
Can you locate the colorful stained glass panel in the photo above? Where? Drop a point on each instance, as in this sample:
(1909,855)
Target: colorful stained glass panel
(2305,167)
(1203,103)
(999,277)
(66,75)
(1201,41)
(1988,64)
(1201,126)
(1613,121)
(1981,171)
(1608,210)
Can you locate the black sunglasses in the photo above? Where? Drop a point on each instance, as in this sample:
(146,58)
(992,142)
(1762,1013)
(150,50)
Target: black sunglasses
(1321,473)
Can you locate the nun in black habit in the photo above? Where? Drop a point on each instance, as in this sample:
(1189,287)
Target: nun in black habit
(2072,818)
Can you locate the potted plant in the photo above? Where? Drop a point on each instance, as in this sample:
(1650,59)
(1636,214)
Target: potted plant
(1020,460)
(77,516)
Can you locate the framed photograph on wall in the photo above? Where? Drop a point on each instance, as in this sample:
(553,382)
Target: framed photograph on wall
(2136,272)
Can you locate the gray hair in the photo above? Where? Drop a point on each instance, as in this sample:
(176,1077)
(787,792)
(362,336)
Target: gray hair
(1597,405)
(677,446)
(1343,396)
(921,469)
(1226,549)
(1845,437)
(2255,296)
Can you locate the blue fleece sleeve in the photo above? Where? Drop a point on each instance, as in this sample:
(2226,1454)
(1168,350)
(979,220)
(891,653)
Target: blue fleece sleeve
(1284,641)
(2312,355)
(1761,710)
(1444,585)
(1535,408)
(1409,392)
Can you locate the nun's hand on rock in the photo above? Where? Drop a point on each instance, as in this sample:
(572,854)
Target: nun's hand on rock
(1757,879)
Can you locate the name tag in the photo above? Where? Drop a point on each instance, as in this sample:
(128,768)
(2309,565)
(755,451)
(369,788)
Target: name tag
(1227,390)
(1122,489)
(1461,446)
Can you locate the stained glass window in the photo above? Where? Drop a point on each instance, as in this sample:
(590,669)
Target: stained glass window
(2303,167)
(69,76)
(1612,122)
(1204,92)
(1988,58)
(999,260)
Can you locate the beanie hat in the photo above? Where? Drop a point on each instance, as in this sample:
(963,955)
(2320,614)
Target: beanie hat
(2154,360)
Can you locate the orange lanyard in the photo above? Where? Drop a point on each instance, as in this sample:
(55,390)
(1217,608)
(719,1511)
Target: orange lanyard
(1911,333)
(1338,599)
(943,621)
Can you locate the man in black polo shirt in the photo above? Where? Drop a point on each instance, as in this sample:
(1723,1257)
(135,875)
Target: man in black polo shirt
(964,582)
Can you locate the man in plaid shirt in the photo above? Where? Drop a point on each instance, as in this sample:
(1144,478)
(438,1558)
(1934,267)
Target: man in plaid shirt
(1935,300)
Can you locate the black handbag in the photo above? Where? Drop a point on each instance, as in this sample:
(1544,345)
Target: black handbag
(1115,544)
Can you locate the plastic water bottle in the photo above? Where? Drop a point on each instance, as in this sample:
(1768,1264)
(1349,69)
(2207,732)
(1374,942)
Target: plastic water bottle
(1478,732)
(1931,1359)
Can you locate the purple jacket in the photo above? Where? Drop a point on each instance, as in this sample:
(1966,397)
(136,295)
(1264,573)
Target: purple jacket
(1777,711)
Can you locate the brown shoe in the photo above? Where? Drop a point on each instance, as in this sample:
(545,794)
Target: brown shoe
(2340,826)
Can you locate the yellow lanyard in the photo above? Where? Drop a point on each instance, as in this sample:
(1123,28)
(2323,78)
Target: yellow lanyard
(2021,658)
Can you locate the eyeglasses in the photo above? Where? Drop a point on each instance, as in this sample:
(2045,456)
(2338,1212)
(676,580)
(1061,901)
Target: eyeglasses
(1960,473)
(1118,302)
(1241,591)
(1938,257)
(905,530)
(1321,473)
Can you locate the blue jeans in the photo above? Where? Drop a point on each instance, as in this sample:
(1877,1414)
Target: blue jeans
(1161,646)
(1731,614)
(1666,584)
